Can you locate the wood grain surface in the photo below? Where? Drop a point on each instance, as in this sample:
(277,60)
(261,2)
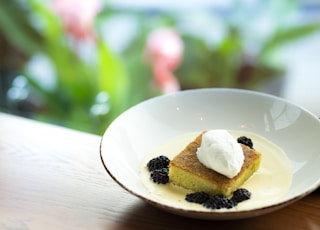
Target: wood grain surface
(52,178)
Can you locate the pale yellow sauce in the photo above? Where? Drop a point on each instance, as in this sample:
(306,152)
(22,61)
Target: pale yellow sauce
(267,185)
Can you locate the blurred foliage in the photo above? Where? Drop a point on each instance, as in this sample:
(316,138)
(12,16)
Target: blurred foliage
(75,99)
(89,92)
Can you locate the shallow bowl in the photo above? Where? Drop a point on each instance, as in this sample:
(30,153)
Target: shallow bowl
(141,128)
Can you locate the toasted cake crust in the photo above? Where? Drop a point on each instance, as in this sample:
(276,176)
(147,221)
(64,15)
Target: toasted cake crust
(187,171)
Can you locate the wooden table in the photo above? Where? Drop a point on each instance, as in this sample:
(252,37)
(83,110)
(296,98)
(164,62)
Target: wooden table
(52,178)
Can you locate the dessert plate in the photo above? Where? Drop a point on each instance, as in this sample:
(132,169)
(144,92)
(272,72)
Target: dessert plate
(137,131)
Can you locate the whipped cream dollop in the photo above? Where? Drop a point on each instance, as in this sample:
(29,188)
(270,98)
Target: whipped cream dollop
(221,152)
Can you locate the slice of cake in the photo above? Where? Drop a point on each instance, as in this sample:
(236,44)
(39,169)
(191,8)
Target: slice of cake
(188,172)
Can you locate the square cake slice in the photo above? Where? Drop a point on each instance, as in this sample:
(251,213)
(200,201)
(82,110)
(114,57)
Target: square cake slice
(185,170)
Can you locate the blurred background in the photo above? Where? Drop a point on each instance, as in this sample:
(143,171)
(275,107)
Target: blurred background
(79,64)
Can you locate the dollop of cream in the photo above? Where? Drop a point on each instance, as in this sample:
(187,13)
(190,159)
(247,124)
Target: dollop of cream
(221,152)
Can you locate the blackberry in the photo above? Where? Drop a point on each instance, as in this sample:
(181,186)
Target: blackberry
(246,141)
(218,202)
(240,195)
(197,197)
(158,163)
(160,176)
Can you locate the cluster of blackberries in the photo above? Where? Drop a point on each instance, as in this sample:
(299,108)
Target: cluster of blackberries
(159,168)
(158,163)
(219,201)
(246,141)
(240,195)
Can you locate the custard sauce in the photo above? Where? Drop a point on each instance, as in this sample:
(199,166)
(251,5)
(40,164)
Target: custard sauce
(271,181)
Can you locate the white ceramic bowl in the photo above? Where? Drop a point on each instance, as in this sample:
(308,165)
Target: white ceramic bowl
(148,124)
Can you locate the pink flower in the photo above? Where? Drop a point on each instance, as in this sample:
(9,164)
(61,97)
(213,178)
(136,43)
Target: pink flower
(78,16)
(164,49)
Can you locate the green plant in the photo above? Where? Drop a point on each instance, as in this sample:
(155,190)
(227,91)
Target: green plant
(247,55)
(89,90)
(78,83)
